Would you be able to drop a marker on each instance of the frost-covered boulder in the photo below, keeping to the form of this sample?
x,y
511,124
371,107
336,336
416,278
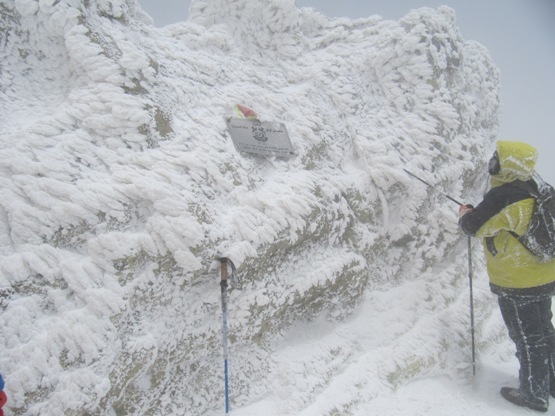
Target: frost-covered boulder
x,y
120,186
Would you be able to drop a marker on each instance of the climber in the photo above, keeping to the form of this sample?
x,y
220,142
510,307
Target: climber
x,y
523,284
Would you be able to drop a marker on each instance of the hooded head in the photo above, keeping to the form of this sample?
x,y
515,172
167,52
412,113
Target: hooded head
x,y
517,161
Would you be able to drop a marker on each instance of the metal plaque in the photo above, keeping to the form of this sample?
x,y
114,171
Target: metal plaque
x,y
260,137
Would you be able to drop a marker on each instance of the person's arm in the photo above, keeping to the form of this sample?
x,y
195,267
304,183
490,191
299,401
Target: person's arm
x,y
496,212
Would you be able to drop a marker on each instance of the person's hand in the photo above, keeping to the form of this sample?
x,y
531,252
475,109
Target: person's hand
x,y
465,209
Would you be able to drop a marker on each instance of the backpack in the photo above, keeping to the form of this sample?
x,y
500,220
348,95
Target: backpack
x,y
539,238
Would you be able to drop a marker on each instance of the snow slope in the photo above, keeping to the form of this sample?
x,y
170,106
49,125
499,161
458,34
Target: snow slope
x,y
120,186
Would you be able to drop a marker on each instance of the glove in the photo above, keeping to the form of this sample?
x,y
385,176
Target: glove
x,y
465,209
3,397
3,400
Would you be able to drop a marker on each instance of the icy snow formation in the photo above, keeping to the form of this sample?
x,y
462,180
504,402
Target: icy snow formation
x,y
120,186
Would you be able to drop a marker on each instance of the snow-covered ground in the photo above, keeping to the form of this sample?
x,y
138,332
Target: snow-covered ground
x,y
120,185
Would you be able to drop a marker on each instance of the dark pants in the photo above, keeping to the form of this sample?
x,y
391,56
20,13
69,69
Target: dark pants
x,y
528,320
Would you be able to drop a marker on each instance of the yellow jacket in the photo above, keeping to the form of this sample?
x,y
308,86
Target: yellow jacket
x,y
507,208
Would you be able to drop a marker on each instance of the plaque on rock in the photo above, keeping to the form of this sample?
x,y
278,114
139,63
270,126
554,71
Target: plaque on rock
x,y
260,137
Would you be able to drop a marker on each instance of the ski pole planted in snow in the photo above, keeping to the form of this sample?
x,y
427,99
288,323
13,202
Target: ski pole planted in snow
x,y
471,306
469,270
224,261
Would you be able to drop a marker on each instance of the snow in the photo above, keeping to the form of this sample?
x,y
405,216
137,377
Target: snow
x,y
120,186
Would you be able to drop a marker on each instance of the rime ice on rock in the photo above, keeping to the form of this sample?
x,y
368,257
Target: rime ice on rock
x,y
119,186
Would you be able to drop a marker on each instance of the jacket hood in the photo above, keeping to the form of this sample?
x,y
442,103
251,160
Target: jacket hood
x,y
517,161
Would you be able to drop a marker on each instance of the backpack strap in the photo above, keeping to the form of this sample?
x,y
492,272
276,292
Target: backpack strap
x,y
531,187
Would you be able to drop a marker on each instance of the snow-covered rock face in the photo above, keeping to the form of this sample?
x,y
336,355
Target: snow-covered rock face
x,y
120,186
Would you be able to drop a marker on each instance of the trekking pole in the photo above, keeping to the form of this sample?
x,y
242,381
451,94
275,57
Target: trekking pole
x,y
469,270
471,306
223,286
437,190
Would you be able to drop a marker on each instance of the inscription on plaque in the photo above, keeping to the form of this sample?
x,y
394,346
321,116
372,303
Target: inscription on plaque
x,y
260,137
